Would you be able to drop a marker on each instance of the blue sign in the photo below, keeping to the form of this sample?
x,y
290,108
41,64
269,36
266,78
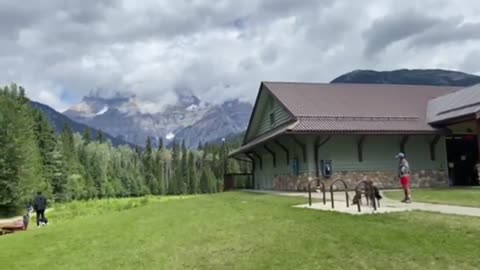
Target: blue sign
x,y
295,166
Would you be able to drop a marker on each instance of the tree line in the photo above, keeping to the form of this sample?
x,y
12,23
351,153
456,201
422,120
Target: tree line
x,y
71,166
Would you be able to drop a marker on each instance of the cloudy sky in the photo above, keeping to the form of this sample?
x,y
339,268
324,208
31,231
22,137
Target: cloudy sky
x,y
222,49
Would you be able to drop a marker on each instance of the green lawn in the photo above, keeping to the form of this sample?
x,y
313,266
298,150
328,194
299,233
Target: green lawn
x,y
242,231
465,197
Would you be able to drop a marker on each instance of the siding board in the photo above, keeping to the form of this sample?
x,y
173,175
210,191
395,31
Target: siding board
x,y
261,120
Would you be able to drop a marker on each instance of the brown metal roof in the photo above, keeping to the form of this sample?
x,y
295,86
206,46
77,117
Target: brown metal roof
x,y
354,108
357,107
458,104
361,124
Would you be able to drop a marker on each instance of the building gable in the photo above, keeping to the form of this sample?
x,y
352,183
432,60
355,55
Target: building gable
x,y
267,115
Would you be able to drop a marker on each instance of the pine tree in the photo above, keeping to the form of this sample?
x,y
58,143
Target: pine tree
x,y
72,166
138,152
47,142
20,159
174,179
184,171
59,177
204,182
148,147
149,169
159,172
87,136
212,182
10,158
160,144
100,137
192,175
68,146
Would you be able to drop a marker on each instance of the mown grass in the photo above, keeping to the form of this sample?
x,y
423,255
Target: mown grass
x,y
245,231
453,196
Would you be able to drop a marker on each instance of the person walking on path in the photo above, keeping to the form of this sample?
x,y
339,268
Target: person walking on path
x,y
404,175
40,205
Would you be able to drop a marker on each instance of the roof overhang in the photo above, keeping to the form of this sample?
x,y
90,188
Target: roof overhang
x,y
455,120
289,129
263,138
363,132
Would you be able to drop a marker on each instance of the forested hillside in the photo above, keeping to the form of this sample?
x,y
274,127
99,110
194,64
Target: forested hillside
x,y
77,167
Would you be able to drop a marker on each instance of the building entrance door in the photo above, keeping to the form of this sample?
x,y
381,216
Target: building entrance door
x,y
462,156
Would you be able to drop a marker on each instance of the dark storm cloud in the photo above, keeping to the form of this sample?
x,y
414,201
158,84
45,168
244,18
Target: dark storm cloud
x,y
395,27
220,49
450,30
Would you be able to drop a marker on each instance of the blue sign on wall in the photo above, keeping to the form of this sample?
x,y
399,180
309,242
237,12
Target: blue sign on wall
x,y
295,166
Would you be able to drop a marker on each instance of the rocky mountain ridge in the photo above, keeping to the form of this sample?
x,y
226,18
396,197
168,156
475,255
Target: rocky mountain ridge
x,y
189,119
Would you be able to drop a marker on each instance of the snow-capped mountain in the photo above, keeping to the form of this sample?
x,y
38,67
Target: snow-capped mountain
x,y
221,121
189,119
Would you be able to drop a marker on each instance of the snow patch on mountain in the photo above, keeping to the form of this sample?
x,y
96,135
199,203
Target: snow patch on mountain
x,y
102,111
189,118
192,108
170,136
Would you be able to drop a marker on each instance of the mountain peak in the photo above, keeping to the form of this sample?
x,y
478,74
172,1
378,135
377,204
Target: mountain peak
x,y
189,118
436,77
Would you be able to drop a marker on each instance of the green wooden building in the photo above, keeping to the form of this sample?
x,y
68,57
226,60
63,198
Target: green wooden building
x,y
301,131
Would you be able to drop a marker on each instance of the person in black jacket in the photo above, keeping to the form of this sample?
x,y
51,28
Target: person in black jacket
x,y
40,205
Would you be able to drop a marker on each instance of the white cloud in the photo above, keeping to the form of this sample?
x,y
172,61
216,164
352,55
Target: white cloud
x,y
222,49
47,94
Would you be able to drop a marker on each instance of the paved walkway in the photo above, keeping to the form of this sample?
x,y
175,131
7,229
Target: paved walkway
x,y
4,221
387,205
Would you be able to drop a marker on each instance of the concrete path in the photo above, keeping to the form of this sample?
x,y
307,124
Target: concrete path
x,y
4,221
386,205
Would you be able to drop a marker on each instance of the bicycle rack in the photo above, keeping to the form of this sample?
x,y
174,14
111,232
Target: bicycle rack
x,y
369,194
322,186
331,192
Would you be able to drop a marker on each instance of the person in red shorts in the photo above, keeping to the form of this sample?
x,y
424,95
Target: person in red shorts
x,y
404,175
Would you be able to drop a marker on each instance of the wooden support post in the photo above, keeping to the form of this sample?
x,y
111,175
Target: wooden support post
x,y
259,159
433,145
303,147
285,149
403,142
360,147
274,157
315,155
253,169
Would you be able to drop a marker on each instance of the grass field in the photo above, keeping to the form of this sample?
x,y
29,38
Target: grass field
x,y
465,197
241,231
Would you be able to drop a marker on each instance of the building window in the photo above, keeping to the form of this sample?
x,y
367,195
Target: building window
x,y
272,119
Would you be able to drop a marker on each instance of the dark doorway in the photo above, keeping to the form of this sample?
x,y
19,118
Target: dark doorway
x,y
462,155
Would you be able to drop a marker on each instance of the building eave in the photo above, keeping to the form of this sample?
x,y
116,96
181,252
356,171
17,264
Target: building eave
x,y
263,138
